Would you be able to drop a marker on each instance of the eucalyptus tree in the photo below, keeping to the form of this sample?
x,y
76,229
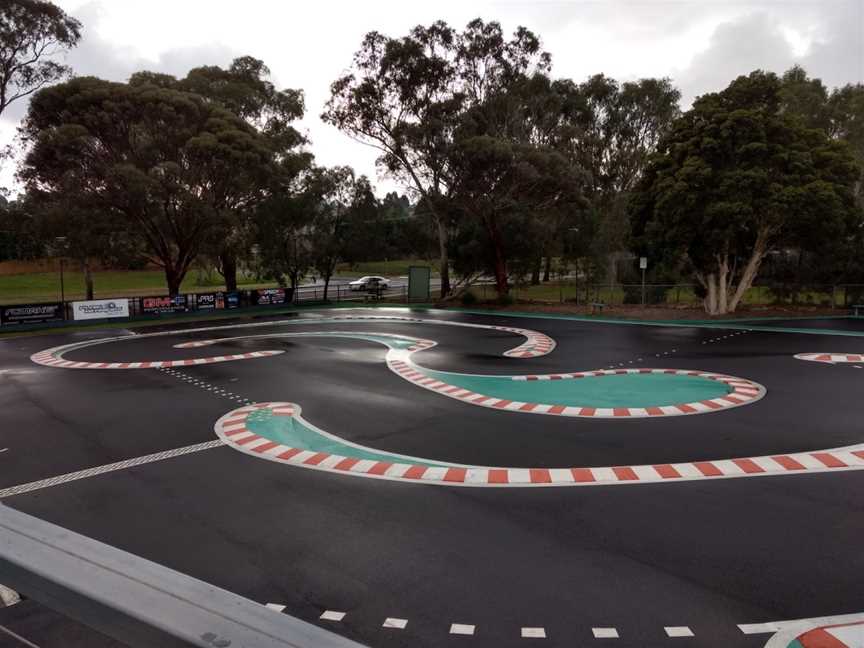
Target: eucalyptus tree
x,y
244,88
157,161
32,34
737,176
406,97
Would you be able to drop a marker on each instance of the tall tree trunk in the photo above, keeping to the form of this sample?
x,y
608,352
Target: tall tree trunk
x,y
229,270
501,286
547,270
723,281
173,277
88,277
535,271
326,285
760,249
710,301
444,266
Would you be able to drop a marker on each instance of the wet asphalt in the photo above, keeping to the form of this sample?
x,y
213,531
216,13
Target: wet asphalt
x,y
708,555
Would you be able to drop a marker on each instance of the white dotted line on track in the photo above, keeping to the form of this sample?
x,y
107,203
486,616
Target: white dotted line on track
x,y
216,390
101,470
541,632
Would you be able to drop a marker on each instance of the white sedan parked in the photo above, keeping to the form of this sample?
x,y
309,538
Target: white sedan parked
x,y
370,283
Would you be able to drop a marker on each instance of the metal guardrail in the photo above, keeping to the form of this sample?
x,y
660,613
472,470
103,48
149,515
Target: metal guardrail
x,y
136,601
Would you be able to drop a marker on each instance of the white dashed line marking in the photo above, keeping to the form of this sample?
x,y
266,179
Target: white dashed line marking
x,y
275,607
461,629
678,631
533,633
398,624
101,470
605,633
2,450
758,628
332,615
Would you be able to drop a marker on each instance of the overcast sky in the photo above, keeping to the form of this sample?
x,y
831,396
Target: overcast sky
x,y
700,44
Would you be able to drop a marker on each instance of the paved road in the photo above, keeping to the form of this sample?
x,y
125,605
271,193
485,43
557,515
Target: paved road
x,y
703,555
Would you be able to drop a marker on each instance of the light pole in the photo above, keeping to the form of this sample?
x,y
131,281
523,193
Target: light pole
x,y
61,246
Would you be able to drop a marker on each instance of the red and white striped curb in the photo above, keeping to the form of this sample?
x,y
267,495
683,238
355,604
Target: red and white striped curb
x,y
54,358
844,635
743,392
536,344
830,358
839,631
232,429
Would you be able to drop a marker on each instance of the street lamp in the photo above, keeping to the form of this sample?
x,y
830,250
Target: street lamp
x,y
61,246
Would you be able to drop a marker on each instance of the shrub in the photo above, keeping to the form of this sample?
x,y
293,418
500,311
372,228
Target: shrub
x,y
469,298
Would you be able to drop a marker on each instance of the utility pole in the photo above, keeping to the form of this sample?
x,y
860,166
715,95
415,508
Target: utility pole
x,y
61,246
643,264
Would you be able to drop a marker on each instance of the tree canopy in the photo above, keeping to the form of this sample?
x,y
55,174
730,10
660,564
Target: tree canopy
x,y
165,162
736,177
32,34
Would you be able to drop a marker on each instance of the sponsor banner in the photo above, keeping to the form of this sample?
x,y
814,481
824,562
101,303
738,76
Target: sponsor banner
x,y
156,305
100,309
266,296
210,301
232,300
31,313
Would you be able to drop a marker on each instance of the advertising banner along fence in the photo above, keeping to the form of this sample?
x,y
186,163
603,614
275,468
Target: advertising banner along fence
x,y
100,309
31,313
155,305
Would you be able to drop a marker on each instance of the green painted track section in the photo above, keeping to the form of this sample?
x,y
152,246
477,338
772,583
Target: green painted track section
x,y
619,390
295,433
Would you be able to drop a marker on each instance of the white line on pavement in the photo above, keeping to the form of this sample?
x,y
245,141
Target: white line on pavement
x,y
101,470
23,641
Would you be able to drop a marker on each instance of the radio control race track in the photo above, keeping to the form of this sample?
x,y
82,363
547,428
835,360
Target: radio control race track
x,y
436,478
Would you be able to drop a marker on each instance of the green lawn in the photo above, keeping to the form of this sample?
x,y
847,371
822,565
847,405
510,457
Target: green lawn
x,y
45,286
389,269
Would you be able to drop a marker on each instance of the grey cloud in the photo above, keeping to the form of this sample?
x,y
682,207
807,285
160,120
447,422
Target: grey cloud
x,y
97,57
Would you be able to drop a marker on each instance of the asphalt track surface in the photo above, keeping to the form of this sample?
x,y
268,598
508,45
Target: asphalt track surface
x,y
706,555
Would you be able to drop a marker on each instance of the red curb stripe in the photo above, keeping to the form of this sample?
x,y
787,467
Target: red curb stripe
x,y
707,468
455,475
588,411
248,440
556,409
620,411
625,473
858,453
748,466
499,477
789,463
540,476
828,459
527,407
582,474
316,459
265,447
666,471
502,403
711,404
654,411
379,468
289,453
346,464
820,638
414,472
685,408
